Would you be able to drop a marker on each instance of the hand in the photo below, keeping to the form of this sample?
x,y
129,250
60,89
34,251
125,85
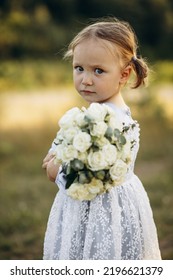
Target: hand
x,y
50,167
46,160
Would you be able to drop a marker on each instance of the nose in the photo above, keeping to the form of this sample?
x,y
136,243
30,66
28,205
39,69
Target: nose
x,y
87,79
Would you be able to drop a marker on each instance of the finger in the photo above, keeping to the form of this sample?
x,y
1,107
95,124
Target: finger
x,y
48,157
44,165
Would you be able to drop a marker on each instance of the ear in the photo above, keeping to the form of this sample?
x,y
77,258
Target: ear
x,y
125,74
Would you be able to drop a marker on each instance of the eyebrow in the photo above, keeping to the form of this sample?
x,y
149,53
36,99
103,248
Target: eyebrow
x,y
90,65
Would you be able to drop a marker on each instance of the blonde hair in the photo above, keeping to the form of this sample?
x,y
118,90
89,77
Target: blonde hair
x,y
121,34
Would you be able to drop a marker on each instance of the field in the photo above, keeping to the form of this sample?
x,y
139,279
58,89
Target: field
x,y
29,110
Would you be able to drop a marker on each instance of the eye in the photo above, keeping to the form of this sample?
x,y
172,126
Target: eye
x,y
78,68
98,71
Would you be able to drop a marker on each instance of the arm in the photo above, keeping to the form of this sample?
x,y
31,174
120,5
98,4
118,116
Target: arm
x,y
50,167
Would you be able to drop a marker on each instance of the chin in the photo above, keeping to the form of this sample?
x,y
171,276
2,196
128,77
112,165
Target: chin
x,y
90,99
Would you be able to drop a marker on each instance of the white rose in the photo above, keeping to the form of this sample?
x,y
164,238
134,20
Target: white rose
x,y
59,136
102,141
96,161
69,118
69,153
82,141
80,119
95,186
83,157
118,171
110,153
99,129
69,133
79,192
58,153
96,111
108,186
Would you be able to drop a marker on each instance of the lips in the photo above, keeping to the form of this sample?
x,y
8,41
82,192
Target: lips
x,y
87,91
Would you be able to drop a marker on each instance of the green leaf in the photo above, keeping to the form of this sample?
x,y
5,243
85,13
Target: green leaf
x,y
70,179
89,174
95,146
68,169
109,133
100,174
85,129
133,143
107,117
116,132
122,140
107,176
126,128
94,139
88,119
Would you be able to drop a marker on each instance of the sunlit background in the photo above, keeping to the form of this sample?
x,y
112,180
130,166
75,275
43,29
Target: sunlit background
x,y
36,89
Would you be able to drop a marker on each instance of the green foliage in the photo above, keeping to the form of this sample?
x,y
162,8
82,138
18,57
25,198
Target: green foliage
x,y
24,35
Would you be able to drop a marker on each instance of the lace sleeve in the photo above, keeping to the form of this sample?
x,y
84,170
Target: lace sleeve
x,y
53,147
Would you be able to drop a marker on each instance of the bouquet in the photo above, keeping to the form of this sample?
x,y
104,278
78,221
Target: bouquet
x,y
94,149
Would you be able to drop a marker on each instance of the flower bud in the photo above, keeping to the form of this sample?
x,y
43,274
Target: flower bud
x,y
100,174
83,179
77,165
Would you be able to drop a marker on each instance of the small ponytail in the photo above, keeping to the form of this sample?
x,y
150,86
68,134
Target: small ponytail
x,y
141,70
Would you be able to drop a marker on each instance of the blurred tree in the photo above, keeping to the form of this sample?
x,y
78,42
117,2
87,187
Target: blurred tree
x,y
61,10
153,20
55,21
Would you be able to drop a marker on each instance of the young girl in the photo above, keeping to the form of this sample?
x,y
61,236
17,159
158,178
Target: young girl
x,y
117,224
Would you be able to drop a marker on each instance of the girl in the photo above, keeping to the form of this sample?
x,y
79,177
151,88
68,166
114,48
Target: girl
x,y
118,224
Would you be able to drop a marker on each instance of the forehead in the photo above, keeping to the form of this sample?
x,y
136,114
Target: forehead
x,y
95,50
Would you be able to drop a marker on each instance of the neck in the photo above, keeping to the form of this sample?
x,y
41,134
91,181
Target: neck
x,y
117,100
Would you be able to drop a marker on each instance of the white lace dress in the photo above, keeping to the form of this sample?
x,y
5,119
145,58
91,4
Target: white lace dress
x,y
117,225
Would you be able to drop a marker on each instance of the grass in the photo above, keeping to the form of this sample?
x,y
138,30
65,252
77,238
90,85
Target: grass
x,y
28,123
26,194
154,167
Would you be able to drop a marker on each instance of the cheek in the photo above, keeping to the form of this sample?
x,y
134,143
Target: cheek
x,y
75,85
75,80
114,81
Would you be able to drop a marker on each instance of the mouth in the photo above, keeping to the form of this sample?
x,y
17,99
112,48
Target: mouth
x,y
87,92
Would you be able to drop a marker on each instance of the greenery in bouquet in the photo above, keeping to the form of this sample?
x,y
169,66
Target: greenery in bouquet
x,y
94,148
